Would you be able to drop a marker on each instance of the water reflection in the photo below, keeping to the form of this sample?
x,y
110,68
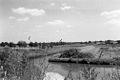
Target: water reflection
x,y
76,67
73,71
53,76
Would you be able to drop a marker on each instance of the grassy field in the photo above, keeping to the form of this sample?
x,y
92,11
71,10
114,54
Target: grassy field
x,y
103,54
108,52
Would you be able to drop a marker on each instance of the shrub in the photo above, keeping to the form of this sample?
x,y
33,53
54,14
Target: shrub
x,y
89,73
13,62
69,53
85,55
17,65
74,53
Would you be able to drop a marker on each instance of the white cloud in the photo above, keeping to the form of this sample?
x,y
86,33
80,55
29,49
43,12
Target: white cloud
x,y
60,23
38,26
65,7
33,12
23,19
59,31
69,26
113,17
12,17
111,14
56,22
18,19
53,76
64,4
52,4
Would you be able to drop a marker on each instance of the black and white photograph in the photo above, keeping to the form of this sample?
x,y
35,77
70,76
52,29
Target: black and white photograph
x,y
59,39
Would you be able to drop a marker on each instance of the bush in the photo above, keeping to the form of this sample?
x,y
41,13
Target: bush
x,y
13,62
74,53
69,53
17,65
86,55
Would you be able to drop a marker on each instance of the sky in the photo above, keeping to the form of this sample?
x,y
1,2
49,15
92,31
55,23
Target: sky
x,y
52,20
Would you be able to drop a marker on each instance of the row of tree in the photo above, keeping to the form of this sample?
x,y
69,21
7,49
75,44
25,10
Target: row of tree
x,y
51,44
31,44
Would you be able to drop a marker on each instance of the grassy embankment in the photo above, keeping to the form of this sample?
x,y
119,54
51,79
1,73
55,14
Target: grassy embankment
x,y
102,55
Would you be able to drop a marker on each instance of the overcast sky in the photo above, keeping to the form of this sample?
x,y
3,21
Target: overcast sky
x,y
51,20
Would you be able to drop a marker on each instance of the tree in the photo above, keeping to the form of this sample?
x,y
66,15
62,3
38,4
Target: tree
x,y
11,44
43,45
22,44
51,44
118,41
31,44
108,42
36,44
2,44
89,42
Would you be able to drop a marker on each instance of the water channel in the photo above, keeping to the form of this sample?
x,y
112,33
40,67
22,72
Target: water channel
x,y
81,70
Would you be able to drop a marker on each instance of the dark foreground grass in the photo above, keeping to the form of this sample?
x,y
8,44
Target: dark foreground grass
x,y
15,65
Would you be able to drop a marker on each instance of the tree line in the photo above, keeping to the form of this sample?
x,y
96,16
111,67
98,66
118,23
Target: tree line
x,y
51,44
31,44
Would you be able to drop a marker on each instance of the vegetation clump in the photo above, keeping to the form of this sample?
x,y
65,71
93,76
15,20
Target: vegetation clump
x,y
12,62
74,53
15,65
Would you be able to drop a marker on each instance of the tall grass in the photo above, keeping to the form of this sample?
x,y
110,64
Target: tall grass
x,y
69,76
17,66
114,75
89,73
86,73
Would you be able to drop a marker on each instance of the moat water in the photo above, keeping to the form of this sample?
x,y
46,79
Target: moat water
x,y
80,70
